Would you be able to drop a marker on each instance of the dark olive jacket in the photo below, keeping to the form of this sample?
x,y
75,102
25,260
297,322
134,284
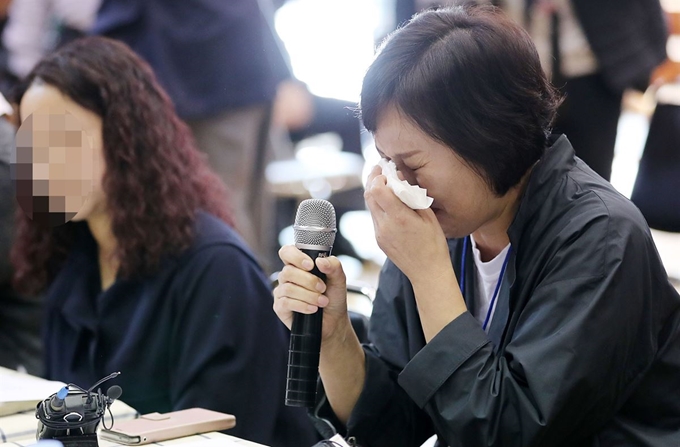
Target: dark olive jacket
x,y
583,349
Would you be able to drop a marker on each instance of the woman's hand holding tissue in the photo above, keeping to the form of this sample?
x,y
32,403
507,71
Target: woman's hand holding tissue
x,y
411,238
415,242
412,195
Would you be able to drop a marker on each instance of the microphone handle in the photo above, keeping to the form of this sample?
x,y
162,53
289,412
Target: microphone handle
x,y
305,345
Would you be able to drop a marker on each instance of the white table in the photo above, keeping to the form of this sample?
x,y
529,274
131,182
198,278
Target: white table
x,y
19,429
212,439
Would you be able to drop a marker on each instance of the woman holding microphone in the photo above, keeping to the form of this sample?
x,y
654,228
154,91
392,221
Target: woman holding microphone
x,y
528,305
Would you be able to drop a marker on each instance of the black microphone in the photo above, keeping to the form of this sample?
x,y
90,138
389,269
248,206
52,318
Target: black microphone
x,y
114,392
314,230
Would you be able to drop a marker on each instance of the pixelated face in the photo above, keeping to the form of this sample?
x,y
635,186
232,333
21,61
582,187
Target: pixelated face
x,y
57,166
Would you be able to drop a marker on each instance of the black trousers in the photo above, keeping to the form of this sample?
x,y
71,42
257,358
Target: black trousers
x,y
589,116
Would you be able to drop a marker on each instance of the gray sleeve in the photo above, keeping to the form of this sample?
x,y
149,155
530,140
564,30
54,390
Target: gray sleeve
x,y
437,361
20,317
8,202
384,415
7,137
6,221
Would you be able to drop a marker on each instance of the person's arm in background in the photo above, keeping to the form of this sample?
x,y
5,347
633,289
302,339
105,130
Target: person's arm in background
x,y
7,204
26,35
4,8
230,350
669,70
20,345
79,15
6,219
75,17
674,18
30,32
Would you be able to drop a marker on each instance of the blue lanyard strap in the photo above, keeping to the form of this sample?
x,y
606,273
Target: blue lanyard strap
x,y
498,284
462,267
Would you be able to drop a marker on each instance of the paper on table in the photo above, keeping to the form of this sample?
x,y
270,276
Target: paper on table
x,y
412,195
21,392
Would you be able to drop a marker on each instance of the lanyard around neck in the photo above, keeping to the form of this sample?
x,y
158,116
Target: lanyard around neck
x,y
498,284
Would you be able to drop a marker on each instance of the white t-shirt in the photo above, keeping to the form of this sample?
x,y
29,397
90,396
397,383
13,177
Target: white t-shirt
x,y
486,280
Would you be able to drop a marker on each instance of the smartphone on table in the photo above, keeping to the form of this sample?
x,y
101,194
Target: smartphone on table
x,y
155,427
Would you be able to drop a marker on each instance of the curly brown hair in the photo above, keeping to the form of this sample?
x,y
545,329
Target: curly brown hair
x,y
155,179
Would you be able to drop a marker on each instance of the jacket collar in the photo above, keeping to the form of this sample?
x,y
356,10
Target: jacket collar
x,y
557,161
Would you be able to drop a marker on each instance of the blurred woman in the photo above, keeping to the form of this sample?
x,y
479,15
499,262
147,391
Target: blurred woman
x,y
147,276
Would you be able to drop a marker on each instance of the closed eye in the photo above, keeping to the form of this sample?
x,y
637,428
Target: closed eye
x,y
408,173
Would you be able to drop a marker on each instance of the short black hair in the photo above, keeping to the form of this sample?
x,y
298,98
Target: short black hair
x,y
470,78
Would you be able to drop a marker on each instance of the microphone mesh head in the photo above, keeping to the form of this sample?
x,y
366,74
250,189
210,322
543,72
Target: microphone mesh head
x,y
315,223
114,392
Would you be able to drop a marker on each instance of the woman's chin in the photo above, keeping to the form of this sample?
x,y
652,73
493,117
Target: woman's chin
x,y
448,229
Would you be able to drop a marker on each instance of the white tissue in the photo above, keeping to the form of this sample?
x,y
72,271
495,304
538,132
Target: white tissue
x,y
412,195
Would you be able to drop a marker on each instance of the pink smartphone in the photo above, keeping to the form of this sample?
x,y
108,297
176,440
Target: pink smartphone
x,y
154,427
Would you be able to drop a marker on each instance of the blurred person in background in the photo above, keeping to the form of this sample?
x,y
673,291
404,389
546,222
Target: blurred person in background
x,y
221,63
148,277
528,305
304,114
669,71
5,79
36,27
20,316
593,51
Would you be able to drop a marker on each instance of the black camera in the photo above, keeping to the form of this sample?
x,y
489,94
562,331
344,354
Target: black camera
x,y
72,414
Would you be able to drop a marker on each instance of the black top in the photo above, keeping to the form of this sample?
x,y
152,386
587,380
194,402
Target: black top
x,y
200,333
20,344
8,202
628,38
583,349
